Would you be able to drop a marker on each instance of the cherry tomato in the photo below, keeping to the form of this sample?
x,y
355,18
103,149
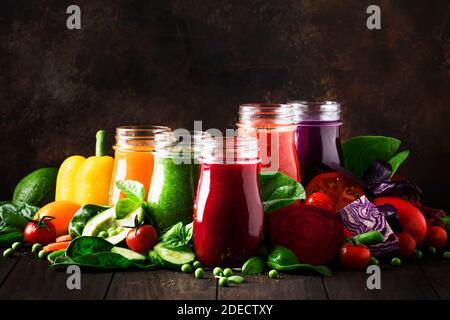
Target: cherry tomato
x,y
142,239
407,244
320,200
411,219
354,257
435,237
338,187
40,231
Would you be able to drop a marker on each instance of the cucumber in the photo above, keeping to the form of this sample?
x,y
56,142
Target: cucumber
x,y
129,254
178,256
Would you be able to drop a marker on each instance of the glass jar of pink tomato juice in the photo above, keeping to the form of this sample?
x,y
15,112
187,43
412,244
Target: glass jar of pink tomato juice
x,y
228,211
274,127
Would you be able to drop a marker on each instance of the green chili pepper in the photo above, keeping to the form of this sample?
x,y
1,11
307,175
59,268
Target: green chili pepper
x,y
368,238
9,238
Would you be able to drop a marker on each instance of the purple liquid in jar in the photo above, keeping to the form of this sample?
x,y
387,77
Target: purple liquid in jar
x,y
317,137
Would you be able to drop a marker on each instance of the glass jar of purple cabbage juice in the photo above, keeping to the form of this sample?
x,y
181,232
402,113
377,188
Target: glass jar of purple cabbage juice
x,y
317,136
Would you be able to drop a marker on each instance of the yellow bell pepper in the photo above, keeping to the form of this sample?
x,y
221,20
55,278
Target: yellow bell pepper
x,y
86,181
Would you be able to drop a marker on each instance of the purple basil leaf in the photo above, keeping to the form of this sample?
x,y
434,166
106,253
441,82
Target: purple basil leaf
x,y
395,188
391,215
378,172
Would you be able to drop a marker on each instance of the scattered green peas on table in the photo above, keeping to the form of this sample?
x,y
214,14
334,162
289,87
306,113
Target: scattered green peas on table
x,y
223,281
374,261
227,272
396,262
36,248
42,254
217,272
16,246
432,250
197,264
199,273
8,252
186,268
418,254
273,274
446,255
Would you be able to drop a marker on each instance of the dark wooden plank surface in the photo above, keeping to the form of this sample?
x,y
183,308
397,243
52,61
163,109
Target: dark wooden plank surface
x,y
298,287
33,279
406,282
161,284
6,265
437,273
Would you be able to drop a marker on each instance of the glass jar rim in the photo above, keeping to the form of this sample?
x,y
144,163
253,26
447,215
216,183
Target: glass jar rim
x,y
326,110
141,135
229,150
258,114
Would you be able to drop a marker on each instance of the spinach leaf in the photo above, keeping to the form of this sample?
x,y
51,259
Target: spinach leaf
x,y
87,245
279,190
359,152
135,195
16,215
253,266
82,216
177,235
283,259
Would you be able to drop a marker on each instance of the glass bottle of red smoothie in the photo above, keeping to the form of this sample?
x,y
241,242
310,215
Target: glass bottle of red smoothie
x,y
228,211
274,127
317,136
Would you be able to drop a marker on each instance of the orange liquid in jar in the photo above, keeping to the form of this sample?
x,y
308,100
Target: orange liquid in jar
x,y
136,164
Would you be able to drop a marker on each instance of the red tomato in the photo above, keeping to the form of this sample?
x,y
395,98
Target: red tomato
x,y
320,200
407,244
354,257
411,219
338,187
142,239
40,231
435,237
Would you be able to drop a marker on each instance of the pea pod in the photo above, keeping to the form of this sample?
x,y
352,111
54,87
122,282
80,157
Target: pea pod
x,y
368,238
9,238
253,266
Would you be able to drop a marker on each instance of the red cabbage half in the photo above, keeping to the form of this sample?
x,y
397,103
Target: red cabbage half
x,y
362,216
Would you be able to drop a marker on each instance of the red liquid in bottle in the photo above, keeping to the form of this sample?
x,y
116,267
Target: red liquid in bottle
x,y
228,214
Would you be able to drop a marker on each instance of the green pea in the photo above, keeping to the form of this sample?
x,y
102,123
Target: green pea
x,y
446,255
36,248
8,252
112,233
111,229
227,272
199,273
16,245
103,234
217,271
186,268
273,274
236,279
197,264
374,261
418,254
223,282
119,229
432,250
396,262
42,254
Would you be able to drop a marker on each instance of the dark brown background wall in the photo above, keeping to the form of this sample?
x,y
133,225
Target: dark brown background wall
x,y
173,62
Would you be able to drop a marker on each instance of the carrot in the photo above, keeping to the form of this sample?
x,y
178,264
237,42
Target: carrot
x,y
56,246
64,238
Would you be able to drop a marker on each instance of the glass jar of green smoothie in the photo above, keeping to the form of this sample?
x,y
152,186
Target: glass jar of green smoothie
x,y
175,177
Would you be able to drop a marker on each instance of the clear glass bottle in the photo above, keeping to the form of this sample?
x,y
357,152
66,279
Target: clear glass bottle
x,y
317,136
228,211
274,127
175,177
133,157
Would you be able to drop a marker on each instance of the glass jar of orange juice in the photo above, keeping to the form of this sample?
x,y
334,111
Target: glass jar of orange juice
x,y
133,156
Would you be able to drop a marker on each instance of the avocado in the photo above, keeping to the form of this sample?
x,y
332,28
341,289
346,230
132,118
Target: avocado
x,y
129,254
37,188
107,219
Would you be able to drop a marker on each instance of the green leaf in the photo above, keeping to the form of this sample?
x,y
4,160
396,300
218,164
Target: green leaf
x,y
253,266
87,245
126,206
82,216
398,159
177,235
279,190
359,152
16,215
132,189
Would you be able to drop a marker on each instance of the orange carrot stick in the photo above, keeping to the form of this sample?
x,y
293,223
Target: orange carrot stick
x,y
64,238
56,246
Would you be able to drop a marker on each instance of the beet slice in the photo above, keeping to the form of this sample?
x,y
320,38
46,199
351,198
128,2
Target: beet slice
x,y
313,234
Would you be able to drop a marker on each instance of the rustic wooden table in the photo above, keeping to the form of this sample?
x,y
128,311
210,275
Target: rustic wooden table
x,y
26,277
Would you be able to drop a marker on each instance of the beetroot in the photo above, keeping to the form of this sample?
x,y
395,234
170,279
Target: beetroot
x,y
313,234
